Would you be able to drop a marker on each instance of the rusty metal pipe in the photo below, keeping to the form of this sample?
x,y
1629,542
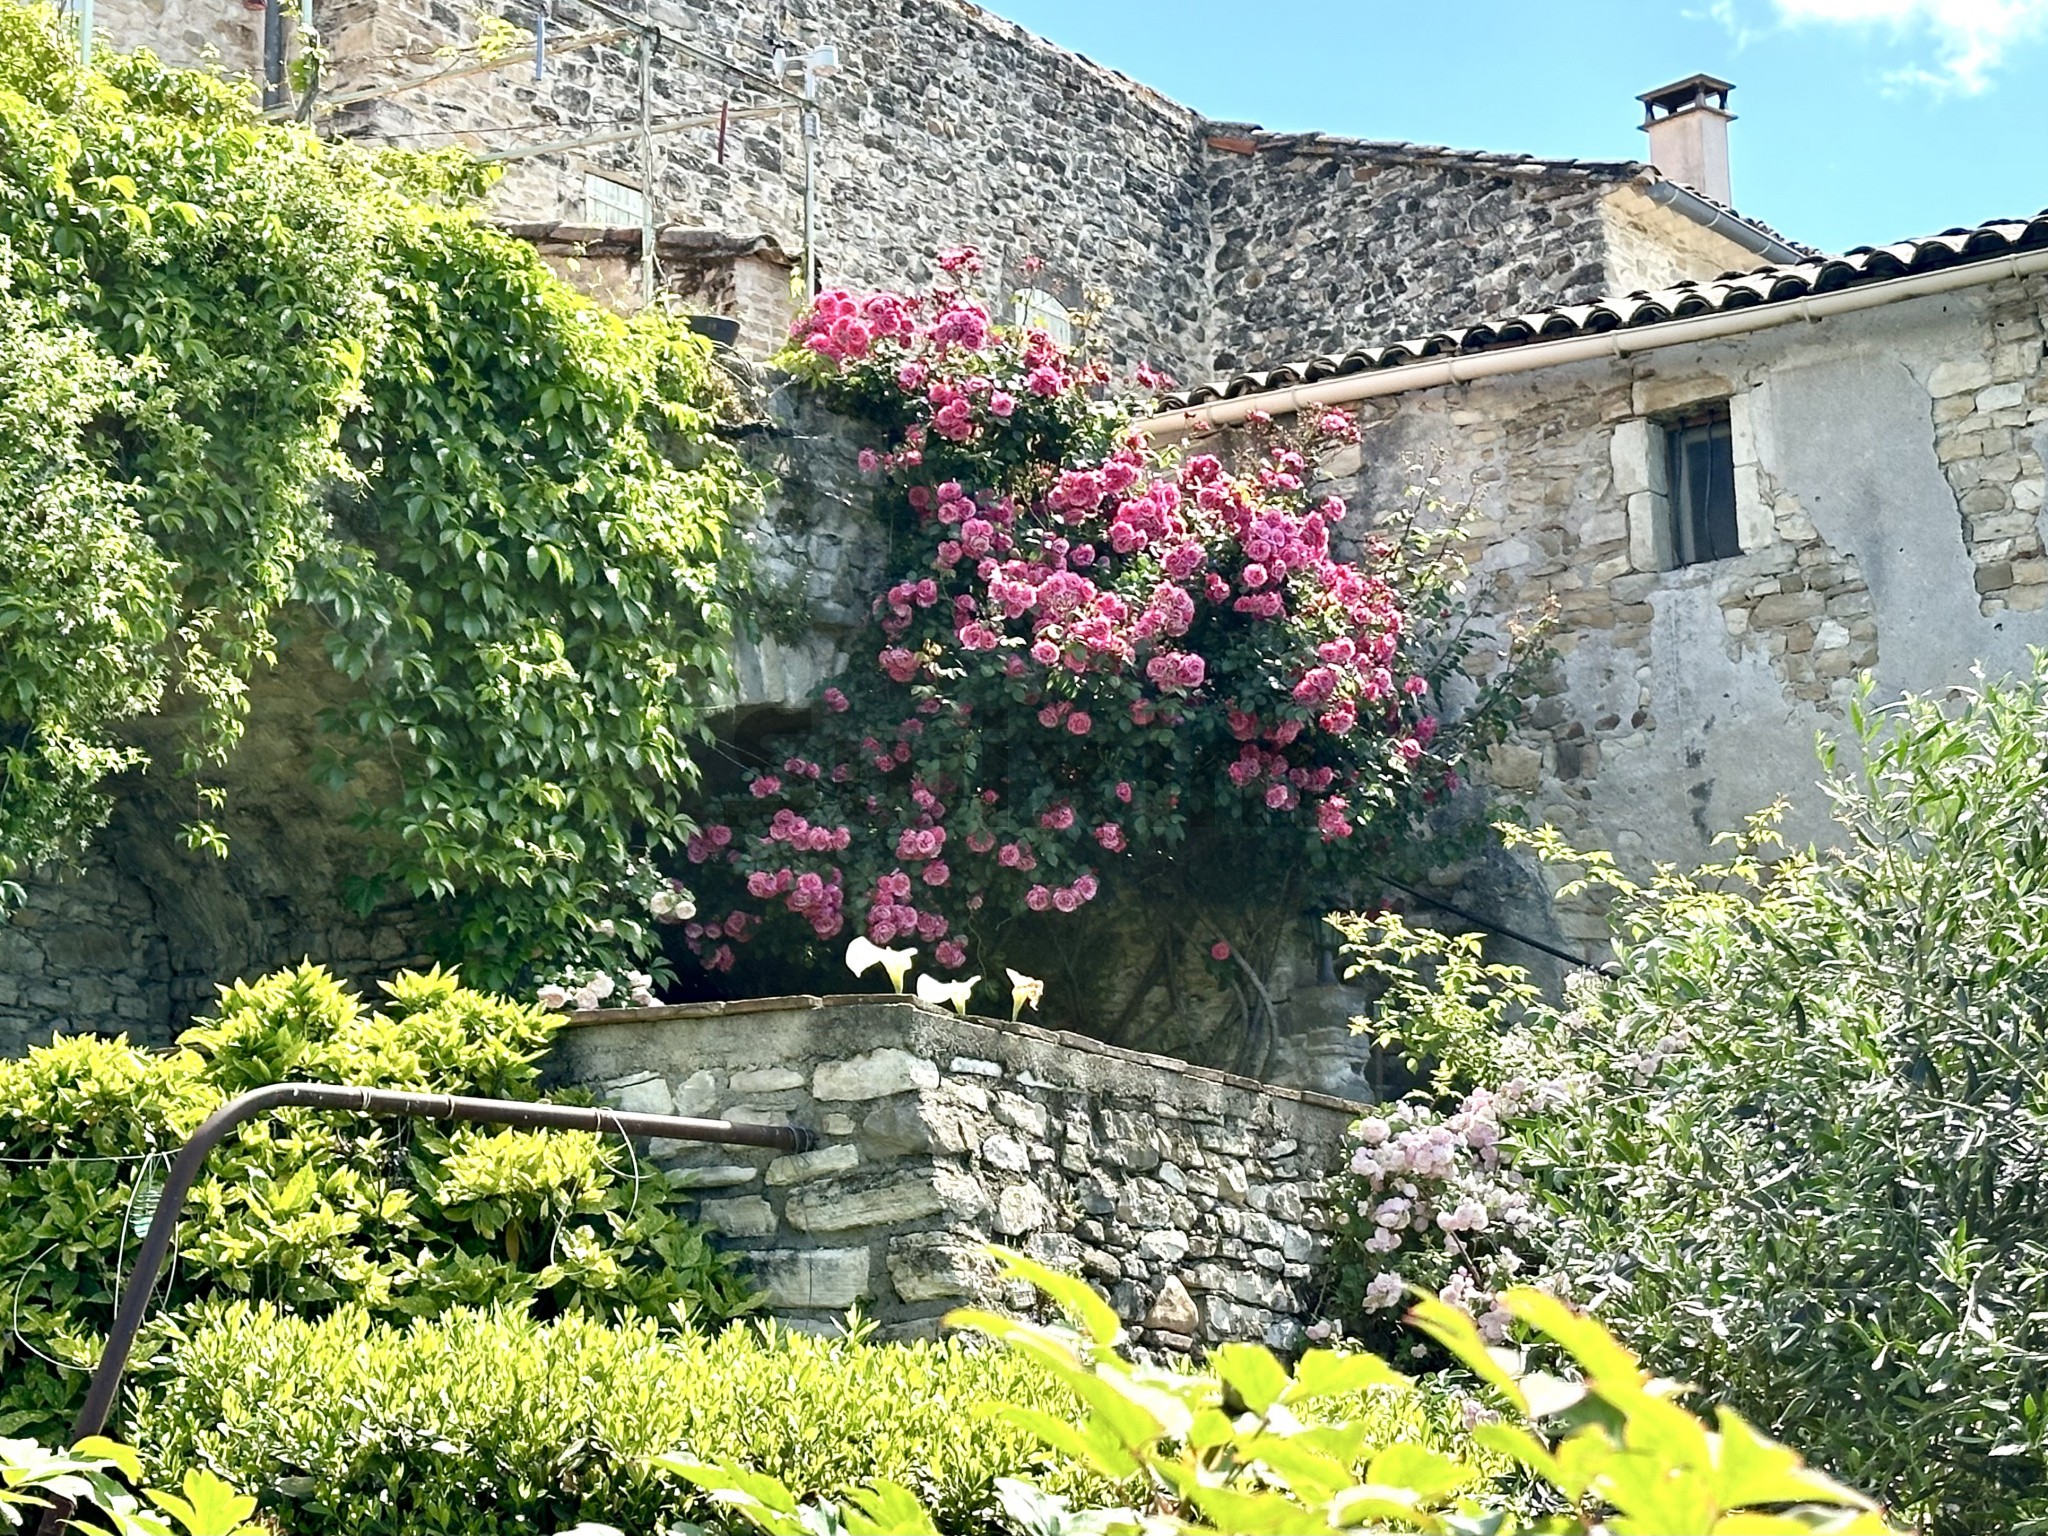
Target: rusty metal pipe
x,y
388,1103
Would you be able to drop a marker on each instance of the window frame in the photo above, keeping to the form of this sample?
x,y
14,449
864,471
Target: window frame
x,y
626,196
1702,521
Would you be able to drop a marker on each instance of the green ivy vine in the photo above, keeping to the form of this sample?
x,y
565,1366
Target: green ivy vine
x,y
257,390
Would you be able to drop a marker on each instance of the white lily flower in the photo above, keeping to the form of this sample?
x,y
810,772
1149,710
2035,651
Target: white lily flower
x,y
1025,992
939,993
863,956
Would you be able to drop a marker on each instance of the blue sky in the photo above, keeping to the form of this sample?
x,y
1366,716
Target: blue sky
x,y
1859,121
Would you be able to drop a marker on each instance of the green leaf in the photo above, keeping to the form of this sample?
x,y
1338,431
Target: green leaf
x,y
1251,1372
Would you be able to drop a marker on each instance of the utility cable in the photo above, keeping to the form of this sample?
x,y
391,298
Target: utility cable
x,y
1497,930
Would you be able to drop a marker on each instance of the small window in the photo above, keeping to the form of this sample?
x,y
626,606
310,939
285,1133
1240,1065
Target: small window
x,y
612,204
1700,479
1036,307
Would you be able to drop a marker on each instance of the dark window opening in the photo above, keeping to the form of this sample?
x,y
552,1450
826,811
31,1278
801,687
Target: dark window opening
x,y
1701,482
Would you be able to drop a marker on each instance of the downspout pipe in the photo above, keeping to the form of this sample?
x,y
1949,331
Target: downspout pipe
x,y
274,94
1621,342
388,1103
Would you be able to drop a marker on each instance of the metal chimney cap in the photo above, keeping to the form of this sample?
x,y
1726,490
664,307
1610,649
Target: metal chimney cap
x,y
1683,95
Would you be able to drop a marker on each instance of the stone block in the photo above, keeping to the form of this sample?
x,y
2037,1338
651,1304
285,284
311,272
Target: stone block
x,y
1654,396
1788,608
746,1216
838,1207
1022,1208
1020,1114
1635,463
1166,1247
714,1176
645,1094
697,1095
973,1066
813,1278
875,1075
939,1266
767,1080
1995,577
802,1167
1514,767
1005,1153
1649,532
1962,375
1173,1310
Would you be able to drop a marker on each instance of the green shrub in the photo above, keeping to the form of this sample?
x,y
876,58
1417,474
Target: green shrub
x,y
312,1209
482,1423
256,390
1797,1149
1250,1445
32,1478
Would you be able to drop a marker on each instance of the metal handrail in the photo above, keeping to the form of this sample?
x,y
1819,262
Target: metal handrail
x,y
389,1103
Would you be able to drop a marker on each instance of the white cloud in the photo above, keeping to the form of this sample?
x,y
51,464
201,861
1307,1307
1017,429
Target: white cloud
x,y
1970,37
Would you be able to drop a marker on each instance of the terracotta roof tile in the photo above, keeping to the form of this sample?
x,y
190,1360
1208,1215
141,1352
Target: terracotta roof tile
x,y
1732,290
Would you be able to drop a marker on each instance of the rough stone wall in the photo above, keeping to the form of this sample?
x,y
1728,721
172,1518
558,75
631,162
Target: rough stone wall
x,y
137,940
1188,1195
228,37
1389,240
1888,489
1991,435
1217,246
1652,246
945,125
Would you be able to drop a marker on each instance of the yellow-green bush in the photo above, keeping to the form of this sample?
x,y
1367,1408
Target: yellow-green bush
x,y
489,1423
313,1209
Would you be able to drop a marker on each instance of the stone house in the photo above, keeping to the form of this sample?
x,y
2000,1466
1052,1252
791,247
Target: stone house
x,y
1744,473
1742,497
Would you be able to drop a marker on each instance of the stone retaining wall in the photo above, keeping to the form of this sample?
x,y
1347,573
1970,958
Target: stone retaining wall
x,y
1188,1195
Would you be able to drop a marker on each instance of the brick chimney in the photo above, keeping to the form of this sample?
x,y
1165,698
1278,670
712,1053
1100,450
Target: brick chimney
x,y
1687,122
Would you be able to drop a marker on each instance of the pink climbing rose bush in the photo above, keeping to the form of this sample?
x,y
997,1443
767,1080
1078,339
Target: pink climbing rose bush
x,y
1099,663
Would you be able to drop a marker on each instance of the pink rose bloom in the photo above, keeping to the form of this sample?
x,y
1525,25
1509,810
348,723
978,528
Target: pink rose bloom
x,y
1111,836
766,785
937,872
1049,717
1123,790
1065,900
1078,723
1219,951
1086,887
1038,898
952,956
1045,653
869,461
1001,404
